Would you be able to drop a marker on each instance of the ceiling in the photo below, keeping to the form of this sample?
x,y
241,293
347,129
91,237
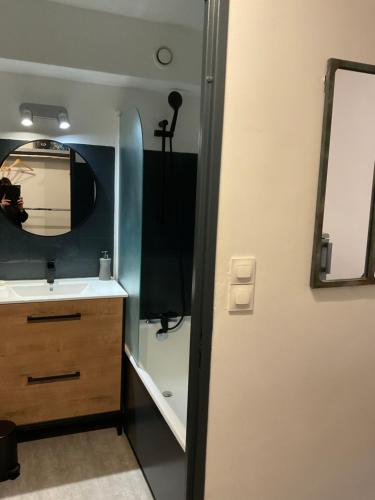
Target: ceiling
x,y
98,77
182,12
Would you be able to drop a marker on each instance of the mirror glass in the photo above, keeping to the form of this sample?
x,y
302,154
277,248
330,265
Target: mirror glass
x,y
46,188
350,174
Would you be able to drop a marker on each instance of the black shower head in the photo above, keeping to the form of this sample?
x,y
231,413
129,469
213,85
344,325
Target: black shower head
x,y
175,100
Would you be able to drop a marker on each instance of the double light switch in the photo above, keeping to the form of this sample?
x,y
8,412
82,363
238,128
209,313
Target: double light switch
x,y
241,284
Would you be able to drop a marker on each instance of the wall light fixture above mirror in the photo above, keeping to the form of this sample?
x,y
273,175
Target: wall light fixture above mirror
x,y
46,188
30,110
344,238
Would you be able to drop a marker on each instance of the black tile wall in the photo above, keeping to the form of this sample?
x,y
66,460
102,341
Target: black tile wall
x,y
23,255
169,192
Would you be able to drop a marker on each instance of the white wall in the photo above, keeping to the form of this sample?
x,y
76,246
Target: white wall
x,y
49,33
92,111
292,406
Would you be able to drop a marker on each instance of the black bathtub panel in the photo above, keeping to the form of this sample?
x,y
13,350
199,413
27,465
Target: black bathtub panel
x,y
160,456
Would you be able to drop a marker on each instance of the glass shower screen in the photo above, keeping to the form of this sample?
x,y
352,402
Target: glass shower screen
x,y
130,222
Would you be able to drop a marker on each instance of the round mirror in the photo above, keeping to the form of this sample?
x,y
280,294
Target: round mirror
x,y
46,188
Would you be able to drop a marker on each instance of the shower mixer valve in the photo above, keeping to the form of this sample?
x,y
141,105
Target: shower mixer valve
x,y
165,319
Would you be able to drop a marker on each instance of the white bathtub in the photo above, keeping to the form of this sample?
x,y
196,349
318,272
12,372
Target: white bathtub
x,y
164,366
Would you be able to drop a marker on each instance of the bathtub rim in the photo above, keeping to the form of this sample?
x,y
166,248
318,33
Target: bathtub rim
x,y
174,423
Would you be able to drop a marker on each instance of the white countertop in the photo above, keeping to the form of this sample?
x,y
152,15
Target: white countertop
x,y
63,289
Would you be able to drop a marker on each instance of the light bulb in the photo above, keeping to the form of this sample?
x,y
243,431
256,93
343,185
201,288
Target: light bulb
x,y
63,121
26,118
26,122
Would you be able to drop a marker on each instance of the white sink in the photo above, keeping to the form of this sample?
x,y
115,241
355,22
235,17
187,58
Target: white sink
x,y
46,290
19,291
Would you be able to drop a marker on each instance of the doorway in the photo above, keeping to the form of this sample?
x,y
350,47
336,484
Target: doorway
x,y
166,405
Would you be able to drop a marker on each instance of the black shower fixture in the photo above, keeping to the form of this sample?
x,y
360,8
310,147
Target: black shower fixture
x,y
175,102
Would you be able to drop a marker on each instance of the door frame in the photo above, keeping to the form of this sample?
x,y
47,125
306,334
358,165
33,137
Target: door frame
x,y
208,184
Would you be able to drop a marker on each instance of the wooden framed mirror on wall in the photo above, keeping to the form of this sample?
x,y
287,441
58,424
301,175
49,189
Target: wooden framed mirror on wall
x,y
343,249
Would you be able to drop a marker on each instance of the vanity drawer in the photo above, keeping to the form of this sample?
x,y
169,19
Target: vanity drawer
x,y
60,359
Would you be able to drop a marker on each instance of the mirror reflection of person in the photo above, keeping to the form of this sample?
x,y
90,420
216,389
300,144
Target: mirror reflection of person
x,y
15,213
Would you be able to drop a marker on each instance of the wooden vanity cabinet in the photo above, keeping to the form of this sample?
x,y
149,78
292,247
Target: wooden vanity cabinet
x,y
60,359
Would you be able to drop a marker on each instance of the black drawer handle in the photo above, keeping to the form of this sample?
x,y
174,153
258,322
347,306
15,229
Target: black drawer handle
x,y
53,378
58,317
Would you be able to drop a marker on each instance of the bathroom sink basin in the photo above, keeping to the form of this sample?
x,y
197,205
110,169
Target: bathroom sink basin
x,y
18,291
46,290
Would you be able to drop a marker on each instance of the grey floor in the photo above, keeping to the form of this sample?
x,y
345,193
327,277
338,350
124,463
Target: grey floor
x,y
97,465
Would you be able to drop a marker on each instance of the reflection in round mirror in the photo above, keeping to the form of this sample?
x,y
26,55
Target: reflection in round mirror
x,y
46,188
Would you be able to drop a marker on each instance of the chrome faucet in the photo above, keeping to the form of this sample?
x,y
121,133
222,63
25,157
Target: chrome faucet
x,y
51,271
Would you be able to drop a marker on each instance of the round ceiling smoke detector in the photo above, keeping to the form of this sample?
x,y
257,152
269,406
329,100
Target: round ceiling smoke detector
x,y
164,56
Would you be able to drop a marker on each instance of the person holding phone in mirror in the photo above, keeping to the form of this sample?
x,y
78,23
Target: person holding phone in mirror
x,y
12,208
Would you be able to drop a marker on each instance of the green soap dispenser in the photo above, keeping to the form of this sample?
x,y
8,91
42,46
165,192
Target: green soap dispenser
x,y
105,266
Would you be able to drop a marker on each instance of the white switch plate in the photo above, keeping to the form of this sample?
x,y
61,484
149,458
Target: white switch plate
x,y
242,270
241,298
